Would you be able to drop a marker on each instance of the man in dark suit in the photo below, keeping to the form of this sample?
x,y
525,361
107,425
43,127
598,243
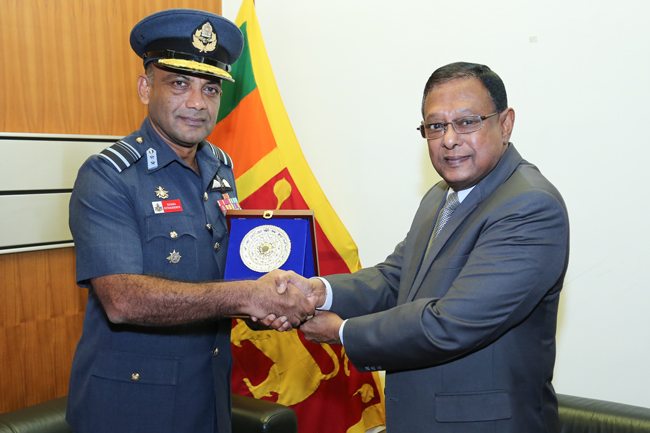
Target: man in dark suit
x,y
462,315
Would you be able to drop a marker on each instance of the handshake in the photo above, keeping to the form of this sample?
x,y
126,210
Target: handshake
x,y
287,300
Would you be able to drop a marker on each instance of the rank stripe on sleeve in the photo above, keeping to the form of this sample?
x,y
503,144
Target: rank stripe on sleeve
x,y
117,164
135,155
223,156
121,155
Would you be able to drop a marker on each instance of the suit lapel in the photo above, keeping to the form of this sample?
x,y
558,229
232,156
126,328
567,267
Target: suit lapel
x,y
504,169
459,215
424,232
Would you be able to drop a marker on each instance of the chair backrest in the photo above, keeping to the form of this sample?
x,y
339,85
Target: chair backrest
x,y
249,415
47,417
586,415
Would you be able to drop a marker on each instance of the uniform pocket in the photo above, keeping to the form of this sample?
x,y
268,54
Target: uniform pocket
x,y
170,248
132,390
473,406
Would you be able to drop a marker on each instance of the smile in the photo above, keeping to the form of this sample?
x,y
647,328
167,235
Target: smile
x,y
192,120
456,160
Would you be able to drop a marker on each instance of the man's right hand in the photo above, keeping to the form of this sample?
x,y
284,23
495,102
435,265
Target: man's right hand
x,y
313,288
290,303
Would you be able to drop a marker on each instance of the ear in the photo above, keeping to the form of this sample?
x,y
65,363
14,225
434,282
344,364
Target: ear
x,y
143,89
507,119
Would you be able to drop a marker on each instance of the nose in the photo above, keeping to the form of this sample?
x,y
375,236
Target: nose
x,y
195,99
450,138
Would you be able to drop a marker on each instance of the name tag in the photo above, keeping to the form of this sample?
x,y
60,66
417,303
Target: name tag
x,y
167,206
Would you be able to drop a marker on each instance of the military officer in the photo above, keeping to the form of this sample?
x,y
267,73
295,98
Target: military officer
x,y
151,240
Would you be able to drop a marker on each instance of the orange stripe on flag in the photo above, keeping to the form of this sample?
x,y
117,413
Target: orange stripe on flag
x,y
246,133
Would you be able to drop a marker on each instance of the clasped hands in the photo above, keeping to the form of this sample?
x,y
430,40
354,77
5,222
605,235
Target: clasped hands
x,y
300,299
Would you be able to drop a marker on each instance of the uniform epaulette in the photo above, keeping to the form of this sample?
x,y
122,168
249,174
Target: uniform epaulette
x,y
120,155
223,156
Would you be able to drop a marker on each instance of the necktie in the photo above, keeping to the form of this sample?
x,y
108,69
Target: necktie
x,y
450,206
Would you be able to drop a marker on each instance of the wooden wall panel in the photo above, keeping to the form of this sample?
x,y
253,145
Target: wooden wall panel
x,y
66,67
42,311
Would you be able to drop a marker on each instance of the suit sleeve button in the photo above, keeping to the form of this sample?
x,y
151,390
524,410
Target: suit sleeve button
x,y
216,352
135,377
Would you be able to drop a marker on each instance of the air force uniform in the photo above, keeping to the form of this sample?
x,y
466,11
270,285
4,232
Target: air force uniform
x,y
137,208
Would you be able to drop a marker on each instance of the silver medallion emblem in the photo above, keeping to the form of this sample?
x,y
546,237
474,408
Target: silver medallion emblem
x,y
174,257
265,248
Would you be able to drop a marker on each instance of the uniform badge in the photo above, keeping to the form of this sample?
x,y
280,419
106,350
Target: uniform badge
x,y
220,184
204,39
152,160
161,193
174,257
228,203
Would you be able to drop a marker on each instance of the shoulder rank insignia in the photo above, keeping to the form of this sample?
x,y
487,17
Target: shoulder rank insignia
x,y
120,155
223,156
152,158
204,39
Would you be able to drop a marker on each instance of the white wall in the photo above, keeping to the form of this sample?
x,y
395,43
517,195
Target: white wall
x,y
351,75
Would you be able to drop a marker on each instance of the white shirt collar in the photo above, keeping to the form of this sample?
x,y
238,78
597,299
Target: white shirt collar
x,y
461,194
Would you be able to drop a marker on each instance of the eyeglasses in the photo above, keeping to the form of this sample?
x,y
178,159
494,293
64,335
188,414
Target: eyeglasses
x,y
462,125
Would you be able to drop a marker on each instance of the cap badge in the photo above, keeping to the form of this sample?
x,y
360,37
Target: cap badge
x,y
204,39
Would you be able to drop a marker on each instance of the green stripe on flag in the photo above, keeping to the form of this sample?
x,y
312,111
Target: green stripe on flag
x,y
242,72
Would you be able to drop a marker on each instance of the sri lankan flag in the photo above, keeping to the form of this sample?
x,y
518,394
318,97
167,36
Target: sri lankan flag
x,y
317,381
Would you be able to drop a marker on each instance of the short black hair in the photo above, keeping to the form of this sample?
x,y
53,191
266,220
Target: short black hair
x,y
490,80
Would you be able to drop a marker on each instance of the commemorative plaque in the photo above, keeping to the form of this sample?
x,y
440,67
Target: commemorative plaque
x,y
265,248
261,241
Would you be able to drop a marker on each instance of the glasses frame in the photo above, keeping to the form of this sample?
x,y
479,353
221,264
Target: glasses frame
x,y
423,125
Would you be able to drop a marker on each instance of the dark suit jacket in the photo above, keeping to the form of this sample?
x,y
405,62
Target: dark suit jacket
x,y
466,334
